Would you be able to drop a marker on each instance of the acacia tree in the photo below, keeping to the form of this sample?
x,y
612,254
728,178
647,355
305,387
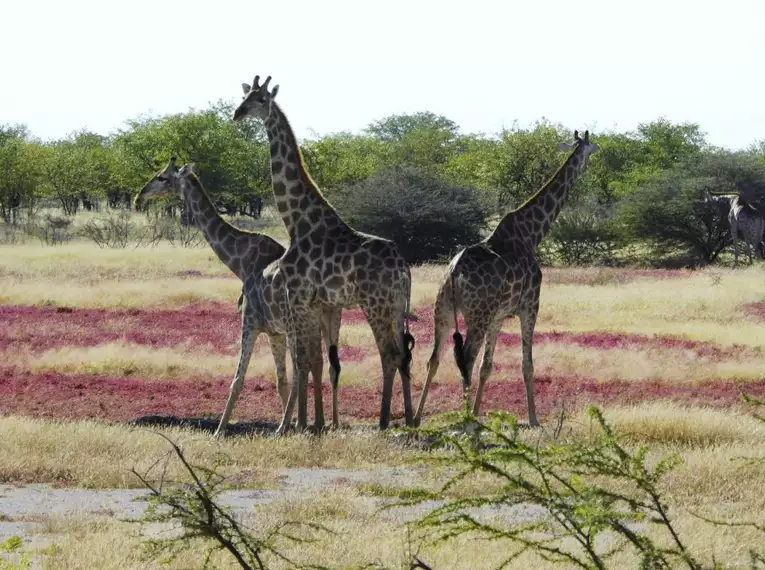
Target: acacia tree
x,y
232,160
77,166
514,164
423,140
426,217
341,159
20,170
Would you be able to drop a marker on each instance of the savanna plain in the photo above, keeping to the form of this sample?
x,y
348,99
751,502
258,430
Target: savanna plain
x,y
102,348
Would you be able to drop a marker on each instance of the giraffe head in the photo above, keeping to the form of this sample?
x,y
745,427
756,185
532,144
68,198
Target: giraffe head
x,y
257,100
163,183
582,146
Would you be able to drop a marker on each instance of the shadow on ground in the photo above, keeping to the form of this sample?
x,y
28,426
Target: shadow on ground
x,y
255,427
245,428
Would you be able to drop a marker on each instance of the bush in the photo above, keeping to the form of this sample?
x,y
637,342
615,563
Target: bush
x,y
427,218
583,235
112,231
671,212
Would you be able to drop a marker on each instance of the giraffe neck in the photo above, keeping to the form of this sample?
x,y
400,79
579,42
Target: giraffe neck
x,y
237,249
301,204
532,220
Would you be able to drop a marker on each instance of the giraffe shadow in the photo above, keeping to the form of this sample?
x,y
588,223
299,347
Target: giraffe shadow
x,y
255,427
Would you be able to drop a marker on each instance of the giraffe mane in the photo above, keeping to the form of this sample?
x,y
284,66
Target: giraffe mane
x,y
305,175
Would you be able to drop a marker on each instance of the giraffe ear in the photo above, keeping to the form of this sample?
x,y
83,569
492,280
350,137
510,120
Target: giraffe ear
x,y
566,146
274,91
246,88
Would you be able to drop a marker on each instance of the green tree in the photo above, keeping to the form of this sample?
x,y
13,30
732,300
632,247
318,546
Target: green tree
x,y
20,169
670,210
526,159
423,140
478,165
232,159
668,144
76,167
341,159
618,166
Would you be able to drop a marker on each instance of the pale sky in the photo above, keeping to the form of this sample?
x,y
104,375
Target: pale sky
x,y
598,64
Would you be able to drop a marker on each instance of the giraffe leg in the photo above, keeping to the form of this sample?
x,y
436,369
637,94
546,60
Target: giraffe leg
x,y
391,356
331,331
487,363
528,318
317,369
278,344
245,353
440,329
474,338
303,326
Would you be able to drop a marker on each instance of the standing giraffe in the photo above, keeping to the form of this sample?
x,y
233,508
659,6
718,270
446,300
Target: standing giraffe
x,y
500,277
746,223
250,256
328,263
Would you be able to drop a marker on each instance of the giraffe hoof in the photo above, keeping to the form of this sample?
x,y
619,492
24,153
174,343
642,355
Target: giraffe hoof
x,y
219,433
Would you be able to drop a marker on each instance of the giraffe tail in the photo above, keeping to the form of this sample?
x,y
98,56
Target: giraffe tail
x,y
459,344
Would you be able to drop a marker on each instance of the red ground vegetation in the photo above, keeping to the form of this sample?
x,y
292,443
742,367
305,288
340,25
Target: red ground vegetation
x,y
79,396
756,309
216,326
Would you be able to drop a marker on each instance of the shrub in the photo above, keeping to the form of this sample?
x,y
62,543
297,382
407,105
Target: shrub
x,y
110,231
670,210
427,218
584,235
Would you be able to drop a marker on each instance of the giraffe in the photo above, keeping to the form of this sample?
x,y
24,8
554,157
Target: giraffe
x,y
328,263
250,256
746,222
500,277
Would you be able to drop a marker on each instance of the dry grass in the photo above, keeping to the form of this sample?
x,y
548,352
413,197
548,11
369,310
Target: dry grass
x,y
361,534
711,481
167,293
705,305
354,542
95,454
698,307
674,366
122,359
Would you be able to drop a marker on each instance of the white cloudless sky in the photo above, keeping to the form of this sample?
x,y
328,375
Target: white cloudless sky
x,y
597,64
